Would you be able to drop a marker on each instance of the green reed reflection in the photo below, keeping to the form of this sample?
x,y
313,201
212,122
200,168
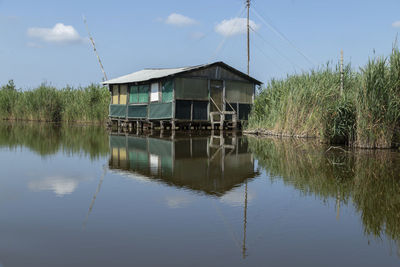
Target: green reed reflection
x,y
47,139
369,180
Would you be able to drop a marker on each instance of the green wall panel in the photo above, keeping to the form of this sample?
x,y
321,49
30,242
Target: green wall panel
x,y
190,88
117,111
134,94
144,93
167,91
239,92
137,111
160,110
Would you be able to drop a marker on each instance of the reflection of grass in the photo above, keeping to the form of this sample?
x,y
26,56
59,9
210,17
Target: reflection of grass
x,y
305,165
370,179
377,192
47,139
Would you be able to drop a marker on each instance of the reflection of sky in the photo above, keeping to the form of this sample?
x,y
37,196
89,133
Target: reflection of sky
x,y
177,201
236,197
154,224
59,174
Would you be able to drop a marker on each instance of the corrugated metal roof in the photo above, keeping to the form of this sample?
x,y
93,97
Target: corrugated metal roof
x,y
150,74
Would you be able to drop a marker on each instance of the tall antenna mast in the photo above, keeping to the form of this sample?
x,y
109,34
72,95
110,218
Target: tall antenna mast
x,y
248,36
94,48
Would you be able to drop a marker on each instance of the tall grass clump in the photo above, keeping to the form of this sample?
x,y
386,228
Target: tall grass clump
x,y
366,113
47,103
378,102
308,104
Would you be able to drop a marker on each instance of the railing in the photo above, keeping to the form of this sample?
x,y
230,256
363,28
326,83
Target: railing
x,y
230,105
212,100
222,114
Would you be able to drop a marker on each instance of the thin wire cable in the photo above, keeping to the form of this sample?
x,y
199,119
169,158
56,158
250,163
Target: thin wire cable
x,y
221,44
276,50
283,37
267,56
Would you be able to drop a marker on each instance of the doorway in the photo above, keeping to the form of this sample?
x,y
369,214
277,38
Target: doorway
x,y
216,94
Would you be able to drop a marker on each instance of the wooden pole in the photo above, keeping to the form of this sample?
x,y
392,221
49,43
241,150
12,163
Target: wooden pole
x,y
248,36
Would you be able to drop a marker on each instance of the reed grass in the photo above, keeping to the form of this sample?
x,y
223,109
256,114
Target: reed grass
x,y
366,113
46,103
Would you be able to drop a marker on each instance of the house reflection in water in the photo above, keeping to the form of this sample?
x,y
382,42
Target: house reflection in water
x,y
209,164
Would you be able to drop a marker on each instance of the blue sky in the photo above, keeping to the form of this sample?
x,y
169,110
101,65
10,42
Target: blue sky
x,y
46,41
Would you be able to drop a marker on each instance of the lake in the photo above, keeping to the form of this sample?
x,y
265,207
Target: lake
x,y
80,196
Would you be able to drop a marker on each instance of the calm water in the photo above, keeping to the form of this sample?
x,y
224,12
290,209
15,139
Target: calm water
x,y
78,196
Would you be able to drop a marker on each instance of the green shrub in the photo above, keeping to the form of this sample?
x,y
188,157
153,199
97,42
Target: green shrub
x,y
310,104
46,103
365,114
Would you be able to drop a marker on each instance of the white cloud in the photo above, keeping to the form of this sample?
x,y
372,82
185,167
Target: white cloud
x,y
179,20
235,26
396,24
60,33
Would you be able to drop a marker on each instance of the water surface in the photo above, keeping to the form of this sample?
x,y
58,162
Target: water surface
x,y
79,196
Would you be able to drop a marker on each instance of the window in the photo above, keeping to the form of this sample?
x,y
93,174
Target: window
x,y
115,94
167,91
134,94
154,92
139,94
123,94
144,93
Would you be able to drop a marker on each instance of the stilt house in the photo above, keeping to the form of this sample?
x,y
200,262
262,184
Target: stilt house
x,y
215,95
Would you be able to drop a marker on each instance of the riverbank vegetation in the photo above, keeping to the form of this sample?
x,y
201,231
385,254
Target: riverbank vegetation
x,y
46,103
366,113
